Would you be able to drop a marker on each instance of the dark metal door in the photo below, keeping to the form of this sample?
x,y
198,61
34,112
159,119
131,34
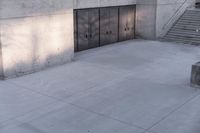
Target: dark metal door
x,y
113,25
83,27
123,23
131,23
93,28
104,26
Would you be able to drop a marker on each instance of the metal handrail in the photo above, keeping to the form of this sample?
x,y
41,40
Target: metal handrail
x,y
175,14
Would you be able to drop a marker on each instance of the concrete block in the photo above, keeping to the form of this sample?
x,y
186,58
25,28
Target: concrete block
x,y
195,77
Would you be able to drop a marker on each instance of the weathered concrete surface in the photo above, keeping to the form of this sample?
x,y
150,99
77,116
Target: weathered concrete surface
x,y
146,18
112,89
101,3
25,8
195,75
1,59
34,43
35,35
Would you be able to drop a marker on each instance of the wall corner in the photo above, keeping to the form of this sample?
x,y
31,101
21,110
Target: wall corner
x,y
146,19
1,56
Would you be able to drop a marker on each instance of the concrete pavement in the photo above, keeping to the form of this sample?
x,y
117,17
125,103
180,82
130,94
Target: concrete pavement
x,y
129,87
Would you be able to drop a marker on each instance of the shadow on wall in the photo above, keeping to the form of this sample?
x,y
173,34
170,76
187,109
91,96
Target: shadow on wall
x,y
33,43
24,68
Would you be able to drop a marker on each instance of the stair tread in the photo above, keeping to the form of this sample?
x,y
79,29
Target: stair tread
x,y
184,34
193,32
182,41
183,38
185,28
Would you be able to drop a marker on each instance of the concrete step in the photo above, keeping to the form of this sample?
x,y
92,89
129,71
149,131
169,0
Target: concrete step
x,y
189,16
185,32
189,28
192,14
183,37
186,27
188,22
192,27
180,41
190,19
182,30
187,35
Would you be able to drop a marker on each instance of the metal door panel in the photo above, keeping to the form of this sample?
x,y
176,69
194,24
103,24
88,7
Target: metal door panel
x,y
104,26
123,23
113,26
131,22
93,28
83,33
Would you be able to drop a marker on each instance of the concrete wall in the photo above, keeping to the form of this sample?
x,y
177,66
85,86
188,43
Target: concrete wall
x,y
165,14
101,3
1,62
35,34
146,18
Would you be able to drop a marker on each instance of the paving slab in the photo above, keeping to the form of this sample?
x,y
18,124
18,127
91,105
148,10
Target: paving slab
x,y
70,119
184,120
16,101
128,56
64,82
135,102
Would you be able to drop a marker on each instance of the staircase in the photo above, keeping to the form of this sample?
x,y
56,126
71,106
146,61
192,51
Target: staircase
x,y
186,29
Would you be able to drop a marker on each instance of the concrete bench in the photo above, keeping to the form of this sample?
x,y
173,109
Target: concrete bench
x,y
197,4
195,77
